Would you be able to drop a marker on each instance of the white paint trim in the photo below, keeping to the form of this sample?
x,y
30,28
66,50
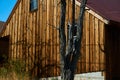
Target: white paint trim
x,y
94,13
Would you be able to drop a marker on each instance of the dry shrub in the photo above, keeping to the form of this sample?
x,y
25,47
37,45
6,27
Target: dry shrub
x,y
13,70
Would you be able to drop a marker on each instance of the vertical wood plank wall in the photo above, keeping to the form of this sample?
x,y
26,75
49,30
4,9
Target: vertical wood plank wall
x,y
34,37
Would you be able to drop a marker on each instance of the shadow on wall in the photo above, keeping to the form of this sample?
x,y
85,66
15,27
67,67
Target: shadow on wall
x,y
38,63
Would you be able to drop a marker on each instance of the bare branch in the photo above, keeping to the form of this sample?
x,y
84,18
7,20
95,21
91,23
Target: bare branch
x,y
62,28
78,38
80,20
53,26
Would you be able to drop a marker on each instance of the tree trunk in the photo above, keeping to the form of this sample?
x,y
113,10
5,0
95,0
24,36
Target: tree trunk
x,y
70,56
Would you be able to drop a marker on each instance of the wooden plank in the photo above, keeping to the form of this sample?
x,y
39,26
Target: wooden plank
x,y
70,11
66,19
43,34
33,42
87,40
13,38
16,33
31,61
24,35
84,48
93,44
55,36
97,46
41,44
51,33
19,27
91,41
28,56
102,45
7,30
45,30
30,38
53,39
37,41
77,10
10,42
58,42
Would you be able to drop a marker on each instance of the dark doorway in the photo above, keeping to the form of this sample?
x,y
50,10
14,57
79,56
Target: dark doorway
x,y
112,48
4,49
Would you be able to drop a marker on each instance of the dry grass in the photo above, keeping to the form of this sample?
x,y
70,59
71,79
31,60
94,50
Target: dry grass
x,y
13,70
14,76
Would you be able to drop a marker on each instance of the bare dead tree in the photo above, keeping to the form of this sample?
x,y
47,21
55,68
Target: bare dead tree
x,y
69,56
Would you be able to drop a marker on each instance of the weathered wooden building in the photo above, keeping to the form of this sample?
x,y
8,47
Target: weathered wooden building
x,y
33,36
110,10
